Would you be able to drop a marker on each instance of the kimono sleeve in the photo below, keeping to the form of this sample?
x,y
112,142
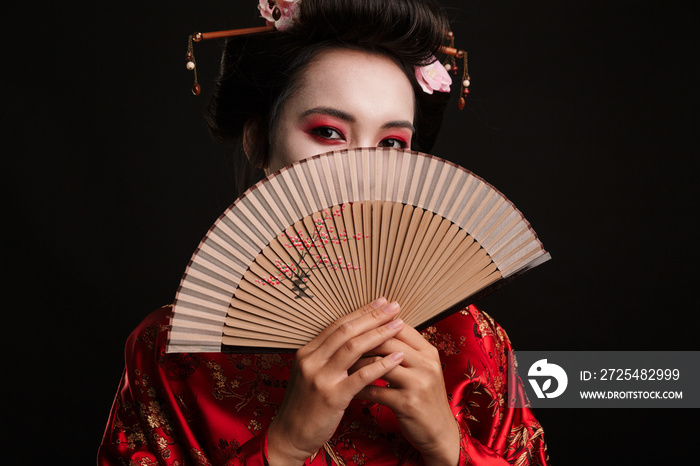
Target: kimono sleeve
x,y
147,425
474,352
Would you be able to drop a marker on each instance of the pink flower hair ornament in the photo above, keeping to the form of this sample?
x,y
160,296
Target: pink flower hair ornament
x,y
433,77
279,13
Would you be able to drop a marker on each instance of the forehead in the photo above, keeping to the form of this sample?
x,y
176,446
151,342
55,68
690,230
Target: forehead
x,y
358,82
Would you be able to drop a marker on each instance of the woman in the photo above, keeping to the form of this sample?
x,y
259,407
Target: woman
x,y
340,74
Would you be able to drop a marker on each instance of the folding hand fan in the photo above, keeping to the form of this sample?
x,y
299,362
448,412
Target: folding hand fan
x,y
329,234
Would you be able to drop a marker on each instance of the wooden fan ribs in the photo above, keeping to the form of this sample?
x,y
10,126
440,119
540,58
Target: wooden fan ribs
x,y
330,234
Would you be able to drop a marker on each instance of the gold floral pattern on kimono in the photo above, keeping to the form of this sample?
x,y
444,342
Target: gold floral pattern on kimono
x,y
213,409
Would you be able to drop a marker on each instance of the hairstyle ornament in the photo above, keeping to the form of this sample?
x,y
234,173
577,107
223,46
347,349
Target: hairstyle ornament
x,y
281,15
433,77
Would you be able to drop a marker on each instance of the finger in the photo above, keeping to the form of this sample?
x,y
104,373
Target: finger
x,y
398,379
414,339
352,349
375,324
409,341
400,376
364,361
382,395
411,355
371,372
366,309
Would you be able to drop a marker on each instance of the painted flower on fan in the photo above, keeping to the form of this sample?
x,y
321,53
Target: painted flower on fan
x,y
280,13
433,77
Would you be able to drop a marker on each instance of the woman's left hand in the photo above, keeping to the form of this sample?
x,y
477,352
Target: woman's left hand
x,y
418,398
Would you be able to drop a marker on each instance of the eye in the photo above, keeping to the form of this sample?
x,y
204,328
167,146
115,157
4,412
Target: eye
x,y
328,133
394,143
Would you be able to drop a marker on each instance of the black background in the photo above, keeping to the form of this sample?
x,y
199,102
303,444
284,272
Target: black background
x,y
582,113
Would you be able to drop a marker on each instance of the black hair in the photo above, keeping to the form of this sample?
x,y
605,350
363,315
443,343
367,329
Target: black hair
x,y
259,72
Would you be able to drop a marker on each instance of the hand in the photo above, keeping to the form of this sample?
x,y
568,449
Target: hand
x,y
418,398
320,387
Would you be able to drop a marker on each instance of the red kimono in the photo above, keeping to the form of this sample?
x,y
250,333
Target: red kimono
x,y
213,409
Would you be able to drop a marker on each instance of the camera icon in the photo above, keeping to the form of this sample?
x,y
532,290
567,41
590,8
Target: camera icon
x,y
544,371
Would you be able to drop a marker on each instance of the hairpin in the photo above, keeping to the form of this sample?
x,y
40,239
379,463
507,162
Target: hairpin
x,y
431,77
200,36
451,65
435,75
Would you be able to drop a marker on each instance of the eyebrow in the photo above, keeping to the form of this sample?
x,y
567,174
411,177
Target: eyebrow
x,y
334,112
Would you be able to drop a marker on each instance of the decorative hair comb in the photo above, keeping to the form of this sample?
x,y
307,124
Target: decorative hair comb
x,y
281,14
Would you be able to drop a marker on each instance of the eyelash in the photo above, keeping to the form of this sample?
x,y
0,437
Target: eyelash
x,y
319,130
402,143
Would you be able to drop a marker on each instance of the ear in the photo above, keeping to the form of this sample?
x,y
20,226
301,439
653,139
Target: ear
x,y
255,142
248,138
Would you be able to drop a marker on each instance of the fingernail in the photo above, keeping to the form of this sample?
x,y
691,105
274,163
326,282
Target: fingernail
x,y
396,323
397,356
392,307
377,303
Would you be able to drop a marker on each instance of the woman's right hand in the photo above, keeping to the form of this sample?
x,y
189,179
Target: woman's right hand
x,y
320,388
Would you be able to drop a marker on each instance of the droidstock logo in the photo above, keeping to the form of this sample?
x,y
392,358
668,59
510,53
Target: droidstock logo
x,y
544,371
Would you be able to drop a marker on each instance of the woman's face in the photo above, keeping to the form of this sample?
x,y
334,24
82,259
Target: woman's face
x,y
345,99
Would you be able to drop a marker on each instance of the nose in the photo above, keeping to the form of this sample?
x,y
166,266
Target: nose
x,y
362,140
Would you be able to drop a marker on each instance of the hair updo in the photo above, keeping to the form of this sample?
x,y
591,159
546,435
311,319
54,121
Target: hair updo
x,y
259,72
